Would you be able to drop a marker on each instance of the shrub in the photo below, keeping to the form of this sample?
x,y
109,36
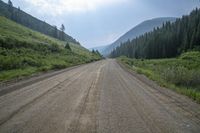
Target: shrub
x,y
181,76
67,46
8,63
31,62
193,55
59,66
54,48
44,68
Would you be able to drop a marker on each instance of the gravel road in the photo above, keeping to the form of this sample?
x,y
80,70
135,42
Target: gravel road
x,y
100,97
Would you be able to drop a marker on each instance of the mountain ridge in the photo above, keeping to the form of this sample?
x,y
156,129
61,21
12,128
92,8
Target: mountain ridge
x,y
139,29
168,41
19,16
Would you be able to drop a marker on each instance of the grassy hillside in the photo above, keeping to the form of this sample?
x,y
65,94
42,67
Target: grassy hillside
x,y
24,52
181,74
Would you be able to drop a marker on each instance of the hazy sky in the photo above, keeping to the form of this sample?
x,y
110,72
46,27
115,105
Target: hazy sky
x,y
100,22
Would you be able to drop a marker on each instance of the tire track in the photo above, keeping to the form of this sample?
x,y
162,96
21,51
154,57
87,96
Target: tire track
x,y
98,98
6,119
6,88
183,105
151,94
85,122
150,124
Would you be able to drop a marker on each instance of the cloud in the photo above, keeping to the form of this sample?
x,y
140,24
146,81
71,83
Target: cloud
x,y
59,7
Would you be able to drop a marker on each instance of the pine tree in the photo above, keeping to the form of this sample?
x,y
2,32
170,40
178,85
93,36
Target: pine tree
x,y
193,39
62,28
93,51
67,46
10,9
10,5
55,32
168,41
198,35
98,53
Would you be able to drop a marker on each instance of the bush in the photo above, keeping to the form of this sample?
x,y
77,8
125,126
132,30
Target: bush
x,y
67,46
44,68
59,66
181,76
54,48
193,55
31,62
8,63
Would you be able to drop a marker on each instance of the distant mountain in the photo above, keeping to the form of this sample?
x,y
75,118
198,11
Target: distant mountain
x,y
138,30
21,17
166,42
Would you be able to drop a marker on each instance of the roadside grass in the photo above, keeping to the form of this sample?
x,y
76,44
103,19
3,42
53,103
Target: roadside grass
x,y
181,74
17,73
24,52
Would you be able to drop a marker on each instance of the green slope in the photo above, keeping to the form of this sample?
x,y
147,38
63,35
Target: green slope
x,y
31,22
24,52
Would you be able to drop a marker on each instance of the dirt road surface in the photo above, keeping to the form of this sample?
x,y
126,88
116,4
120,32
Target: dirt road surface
x,y
100,97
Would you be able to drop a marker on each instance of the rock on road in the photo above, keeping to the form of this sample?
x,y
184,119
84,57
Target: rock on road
x,y
100,97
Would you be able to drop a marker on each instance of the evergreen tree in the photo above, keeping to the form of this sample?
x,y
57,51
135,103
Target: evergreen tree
x,y
198,35
67,46
55,32
98,53
10,9
193,39
10,6
62,28
93,51
165,42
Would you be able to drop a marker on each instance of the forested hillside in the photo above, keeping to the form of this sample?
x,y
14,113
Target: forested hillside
x,y
168,41
19,16
137,31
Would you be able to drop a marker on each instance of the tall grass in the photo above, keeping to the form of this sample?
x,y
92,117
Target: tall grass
x,y
181,74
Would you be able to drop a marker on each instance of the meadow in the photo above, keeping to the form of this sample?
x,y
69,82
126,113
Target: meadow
x,y
181,74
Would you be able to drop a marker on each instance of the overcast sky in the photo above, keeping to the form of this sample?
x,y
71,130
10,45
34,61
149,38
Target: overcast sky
x,y
100,22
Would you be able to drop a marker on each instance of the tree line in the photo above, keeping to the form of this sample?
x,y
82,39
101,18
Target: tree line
x,y
19,16
96,52
168,41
